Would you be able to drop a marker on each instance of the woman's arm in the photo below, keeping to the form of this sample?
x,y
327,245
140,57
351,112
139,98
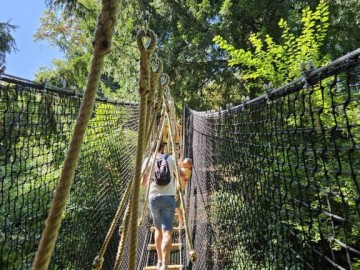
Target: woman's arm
x,y
145,179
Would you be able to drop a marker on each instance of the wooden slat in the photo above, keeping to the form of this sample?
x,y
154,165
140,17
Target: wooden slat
x,y
173,246
152,229
170,267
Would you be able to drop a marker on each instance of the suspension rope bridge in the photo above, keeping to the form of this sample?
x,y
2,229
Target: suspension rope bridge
x,y
274,183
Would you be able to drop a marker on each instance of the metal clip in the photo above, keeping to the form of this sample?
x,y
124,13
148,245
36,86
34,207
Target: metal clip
x,y
268,89
145,16
306,71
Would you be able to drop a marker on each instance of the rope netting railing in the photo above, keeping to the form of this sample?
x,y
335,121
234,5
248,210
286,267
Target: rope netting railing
x,y
100,227
36,125
275,181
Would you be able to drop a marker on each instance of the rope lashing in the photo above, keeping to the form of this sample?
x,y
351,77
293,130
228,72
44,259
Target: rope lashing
x,y
192,252
101,45
145,55
164,82
172,113
97,264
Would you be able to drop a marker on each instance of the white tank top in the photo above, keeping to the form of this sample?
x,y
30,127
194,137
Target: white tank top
x,y
155,189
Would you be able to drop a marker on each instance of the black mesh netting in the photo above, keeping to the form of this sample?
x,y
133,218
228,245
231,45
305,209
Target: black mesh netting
x,y
274,184
275,180
36,126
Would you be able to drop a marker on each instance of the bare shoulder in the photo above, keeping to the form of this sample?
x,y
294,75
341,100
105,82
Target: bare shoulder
x,y
171,160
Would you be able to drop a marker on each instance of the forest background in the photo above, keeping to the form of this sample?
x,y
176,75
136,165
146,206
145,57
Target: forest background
x,y
215,52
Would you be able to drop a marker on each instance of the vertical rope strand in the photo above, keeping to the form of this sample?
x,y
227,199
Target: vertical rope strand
x,y
98,261
143,88
158,136
102,44
159,100
123,237
151,109
192,252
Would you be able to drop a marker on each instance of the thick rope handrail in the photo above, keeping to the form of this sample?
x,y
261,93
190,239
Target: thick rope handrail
x,y
159,99
151,112
98,261
192,252
102,44
145,55
97,264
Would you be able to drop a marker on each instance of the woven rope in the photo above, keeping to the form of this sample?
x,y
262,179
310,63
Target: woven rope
x,y
123,237
159,100
156,147
151,110
192,253
98,261
102,44
145,55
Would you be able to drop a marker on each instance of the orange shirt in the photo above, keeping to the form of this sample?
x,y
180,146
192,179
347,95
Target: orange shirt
x,y
186,169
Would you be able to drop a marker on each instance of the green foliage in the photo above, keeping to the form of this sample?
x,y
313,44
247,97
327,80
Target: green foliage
x,y
194,63
280,63
102,175
343,34
36,132
72,33
7,42
280,188
187,53
242,237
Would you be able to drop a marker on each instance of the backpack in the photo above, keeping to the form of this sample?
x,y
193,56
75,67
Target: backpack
x,y
162,174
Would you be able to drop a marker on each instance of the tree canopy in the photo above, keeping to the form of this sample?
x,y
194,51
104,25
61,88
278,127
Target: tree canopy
x,y
267,62
7,42
198,67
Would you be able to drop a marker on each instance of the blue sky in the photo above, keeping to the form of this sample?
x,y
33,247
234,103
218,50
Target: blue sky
x,y
31,55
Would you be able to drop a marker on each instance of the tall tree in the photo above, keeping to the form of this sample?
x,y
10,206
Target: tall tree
x,y
268,61
71,30
196,65
344,32
7,42
186,30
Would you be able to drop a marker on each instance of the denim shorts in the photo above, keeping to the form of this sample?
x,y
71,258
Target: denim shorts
x,y
163,209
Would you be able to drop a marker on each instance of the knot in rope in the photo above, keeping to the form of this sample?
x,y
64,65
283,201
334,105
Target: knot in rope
x,y
145,55
105,27
98,262
193,255
151,45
